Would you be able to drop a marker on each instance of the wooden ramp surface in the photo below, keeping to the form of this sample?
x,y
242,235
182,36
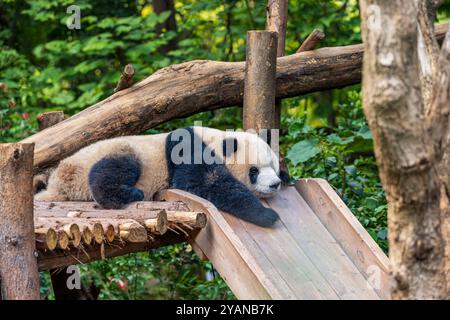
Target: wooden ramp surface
x,y
318,250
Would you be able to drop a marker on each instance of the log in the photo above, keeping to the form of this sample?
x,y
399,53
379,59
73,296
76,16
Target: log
x,y
188,88
259,87
276,21
18,265
154,220
126,79
194,220
132,232
62,240
99,229
46,238
83,206
56,259
311,41
47,119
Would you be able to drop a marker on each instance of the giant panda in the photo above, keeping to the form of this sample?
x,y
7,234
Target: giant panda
x,y
230,169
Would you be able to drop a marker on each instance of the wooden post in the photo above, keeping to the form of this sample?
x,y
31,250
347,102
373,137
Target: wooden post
x,y
276,20
59,276
18,264
259,83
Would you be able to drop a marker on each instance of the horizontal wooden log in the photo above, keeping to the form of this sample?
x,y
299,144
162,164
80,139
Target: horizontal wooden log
x,y
61,258
90,206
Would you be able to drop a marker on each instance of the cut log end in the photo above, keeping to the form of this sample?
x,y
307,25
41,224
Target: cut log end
x,y
132,232
110,233
87,235
46,238
98,233
63,240
157,225
195,220
74,234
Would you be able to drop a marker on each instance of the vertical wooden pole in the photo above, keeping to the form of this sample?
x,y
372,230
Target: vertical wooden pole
x,y
259,83
276,20
60,276
18,263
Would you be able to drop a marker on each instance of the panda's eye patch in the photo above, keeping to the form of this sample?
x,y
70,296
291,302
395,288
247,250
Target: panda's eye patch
x,y
253,174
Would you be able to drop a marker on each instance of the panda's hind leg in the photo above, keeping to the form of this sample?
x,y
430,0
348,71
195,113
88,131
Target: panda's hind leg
x,y
112,181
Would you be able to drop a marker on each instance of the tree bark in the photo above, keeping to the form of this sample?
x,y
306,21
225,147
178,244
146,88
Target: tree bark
x,y
181,90
311,41
276,21
126,78
18,266
394,107
259,88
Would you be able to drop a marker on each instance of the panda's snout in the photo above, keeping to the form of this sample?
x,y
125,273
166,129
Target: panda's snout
x,y
275,186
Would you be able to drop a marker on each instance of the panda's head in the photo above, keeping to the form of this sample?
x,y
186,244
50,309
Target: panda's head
x,y
251,160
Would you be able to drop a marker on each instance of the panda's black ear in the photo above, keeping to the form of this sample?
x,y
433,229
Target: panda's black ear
x,y
229,146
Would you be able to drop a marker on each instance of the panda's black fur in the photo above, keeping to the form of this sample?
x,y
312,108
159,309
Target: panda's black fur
x,y
216,184
112,182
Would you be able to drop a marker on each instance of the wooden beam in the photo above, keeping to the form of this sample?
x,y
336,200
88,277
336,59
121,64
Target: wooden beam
x,y
259,83
18,266
188,88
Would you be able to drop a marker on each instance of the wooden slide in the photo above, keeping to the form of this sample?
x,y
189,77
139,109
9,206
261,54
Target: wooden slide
x,y
318,249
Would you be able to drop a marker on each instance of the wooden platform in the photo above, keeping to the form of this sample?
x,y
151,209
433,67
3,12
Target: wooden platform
x,y
318,250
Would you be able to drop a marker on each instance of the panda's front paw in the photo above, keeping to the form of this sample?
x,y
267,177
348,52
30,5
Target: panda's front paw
x,y
263,217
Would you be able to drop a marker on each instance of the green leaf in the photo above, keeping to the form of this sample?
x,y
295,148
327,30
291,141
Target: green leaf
x,y
334,138
364,132
303,151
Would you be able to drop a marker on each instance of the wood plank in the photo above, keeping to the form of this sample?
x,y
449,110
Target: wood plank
x,y
320,247
292,263
246,270
348,232
230,256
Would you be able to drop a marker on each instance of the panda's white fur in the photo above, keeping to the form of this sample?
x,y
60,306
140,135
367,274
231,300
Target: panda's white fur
x,y
71,179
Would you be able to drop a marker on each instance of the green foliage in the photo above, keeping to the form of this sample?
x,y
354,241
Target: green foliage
x,y
343,155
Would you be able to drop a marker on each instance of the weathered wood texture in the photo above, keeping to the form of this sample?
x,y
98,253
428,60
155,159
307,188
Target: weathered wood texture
x,y
18,266
299,258
340,222
48,119
107,233
311,41
126,78
181,90
276,21
72,256
259,83
406,152
276,18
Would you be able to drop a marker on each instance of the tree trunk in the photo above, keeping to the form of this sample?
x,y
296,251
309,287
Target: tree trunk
x,y
170,24
409,170
18,266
